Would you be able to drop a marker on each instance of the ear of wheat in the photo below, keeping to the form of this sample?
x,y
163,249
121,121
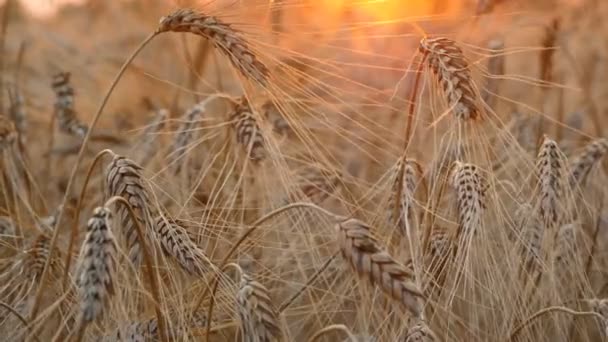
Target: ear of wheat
x,y
37,255
531,234
420,332
7,227
565,247
259,319
16,110
148,136
583,163
447,61
176,242
124,178
551,172
470,191
248,132
373,263
185,133
272,114
96,268
64,106
225,38
317,183
406,202
7,132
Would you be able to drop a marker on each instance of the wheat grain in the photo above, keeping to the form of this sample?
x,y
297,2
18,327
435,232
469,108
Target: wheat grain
x,y
64,106
373,263
447,61
259,319
176,242
248,131
583,163
551,172
223,36
124,178
96,268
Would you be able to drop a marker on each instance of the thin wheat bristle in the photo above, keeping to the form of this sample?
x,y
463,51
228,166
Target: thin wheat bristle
x,y
470,191
448,63
370,261
420,332
124,178
550,168
7,132
96,268
248,131
64,106
259,319
406,209
223,36
583,163
176,242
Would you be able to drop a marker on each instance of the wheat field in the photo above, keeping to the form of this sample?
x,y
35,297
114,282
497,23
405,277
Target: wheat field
x,y
304,170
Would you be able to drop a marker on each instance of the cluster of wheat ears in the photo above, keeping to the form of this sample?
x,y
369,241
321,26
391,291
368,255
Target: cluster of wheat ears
x,y
236,220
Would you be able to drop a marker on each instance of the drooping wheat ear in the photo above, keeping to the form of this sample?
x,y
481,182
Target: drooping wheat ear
x,y
551,172
223,36
64,106
531,231
405,207
259,319
583,163
176,242
96,265
366,257
248,131
470,191
7,132
448,63
124,178
317,183
420,332
185,133
148,136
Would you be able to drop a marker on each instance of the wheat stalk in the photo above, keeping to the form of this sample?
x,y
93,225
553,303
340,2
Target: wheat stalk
x,y
96,268
583,163
223,36
370,261
248,131
551,172
259,319
176,242
64,106
124,179
447,61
